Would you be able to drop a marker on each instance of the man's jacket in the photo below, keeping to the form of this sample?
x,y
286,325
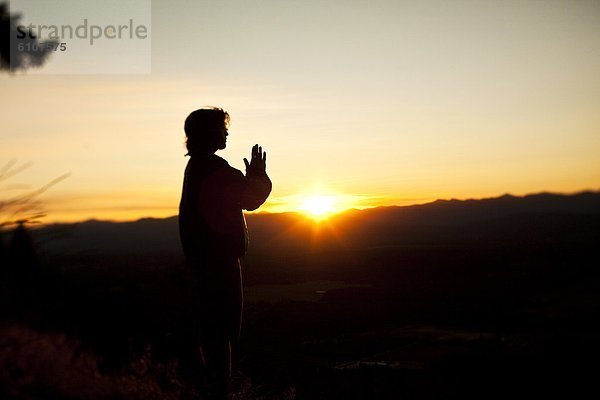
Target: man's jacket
x,y
211,221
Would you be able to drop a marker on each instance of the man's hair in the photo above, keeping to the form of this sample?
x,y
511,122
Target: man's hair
x,y
201,127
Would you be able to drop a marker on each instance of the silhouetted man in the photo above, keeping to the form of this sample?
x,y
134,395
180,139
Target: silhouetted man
x,y
214,236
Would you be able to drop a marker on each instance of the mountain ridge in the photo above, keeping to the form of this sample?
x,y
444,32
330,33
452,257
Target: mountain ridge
x,y
588,194
532,218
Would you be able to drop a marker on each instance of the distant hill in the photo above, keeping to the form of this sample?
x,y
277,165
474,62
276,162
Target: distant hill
x,y
543,217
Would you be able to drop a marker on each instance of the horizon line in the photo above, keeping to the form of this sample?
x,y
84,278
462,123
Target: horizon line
x,y
507,194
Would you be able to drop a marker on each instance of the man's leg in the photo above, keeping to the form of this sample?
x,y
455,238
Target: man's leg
x,y
216,353
221,300
236,306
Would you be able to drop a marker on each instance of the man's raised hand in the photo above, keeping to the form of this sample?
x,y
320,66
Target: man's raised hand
x,y
258,161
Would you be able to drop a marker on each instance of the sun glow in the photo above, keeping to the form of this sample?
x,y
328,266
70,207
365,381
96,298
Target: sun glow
x,y
318,206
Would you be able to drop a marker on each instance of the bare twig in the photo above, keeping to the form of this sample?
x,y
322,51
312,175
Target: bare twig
x,y
24,207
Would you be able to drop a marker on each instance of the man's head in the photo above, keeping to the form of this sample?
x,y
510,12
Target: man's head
x,y
206,130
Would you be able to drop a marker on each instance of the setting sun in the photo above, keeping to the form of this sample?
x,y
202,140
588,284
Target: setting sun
x,y
319,202
318,206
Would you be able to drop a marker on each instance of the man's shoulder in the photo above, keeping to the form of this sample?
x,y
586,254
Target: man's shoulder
x,y
212,164
220,160
207,161
226,168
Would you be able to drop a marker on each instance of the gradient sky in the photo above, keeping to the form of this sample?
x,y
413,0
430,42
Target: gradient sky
x,y
384,102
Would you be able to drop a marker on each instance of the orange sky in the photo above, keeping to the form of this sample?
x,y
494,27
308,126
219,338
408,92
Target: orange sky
x,y
378,103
